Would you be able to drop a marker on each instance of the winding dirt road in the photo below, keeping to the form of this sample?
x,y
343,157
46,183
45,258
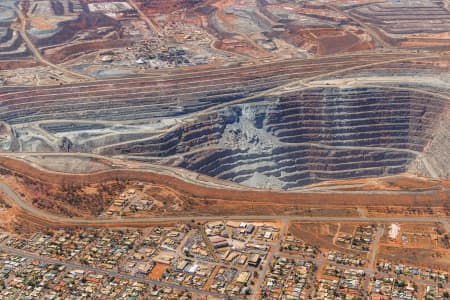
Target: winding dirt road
x,y
37,53
31,210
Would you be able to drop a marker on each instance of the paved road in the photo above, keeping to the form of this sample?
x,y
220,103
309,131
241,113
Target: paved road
x,y
37,54
275,251
373,256
77,266
32,210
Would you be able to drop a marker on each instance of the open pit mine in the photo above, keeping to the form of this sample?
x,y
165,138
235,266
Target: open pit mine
x,y
271,126
225,149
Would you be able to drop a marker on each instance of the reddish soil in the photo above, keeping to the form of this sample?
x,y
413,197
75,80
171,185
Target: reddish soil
x,y
193,190
428,258
326,41
169,6
396,183
318,235
423,236
157,271
17,64
425,43
240,46
335,42
71,199
71,51
410,210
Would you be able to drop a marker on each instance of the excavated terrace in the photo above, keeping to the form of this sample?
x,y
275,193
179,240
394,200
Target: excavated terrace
x,y
258,126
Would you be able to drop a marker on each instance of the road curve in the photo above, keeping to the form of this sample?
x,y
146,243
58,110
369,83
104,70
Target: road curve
x,y
43,215
37,54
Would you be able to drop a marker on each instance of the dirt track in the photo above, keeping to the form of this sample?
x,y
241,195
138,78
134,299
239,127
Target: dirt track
x,y
196,190
32,215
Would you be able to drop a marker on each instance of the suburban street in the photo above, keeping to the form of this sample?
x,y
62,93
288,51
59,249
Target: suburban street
x,y
76,266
